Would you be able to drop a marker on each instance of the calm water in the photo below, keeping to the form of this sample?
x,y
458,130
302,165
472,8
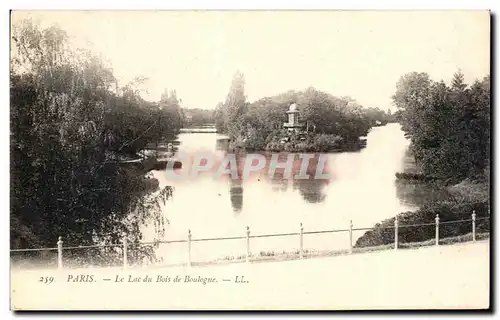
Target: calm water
x,y
362,189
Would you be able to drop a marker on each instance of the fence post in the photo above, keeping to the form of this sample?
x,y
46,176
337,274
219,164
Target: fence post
x,y
350,236
125,255
301,241
474,225
396,227
437,229
59,253
248,245
189,248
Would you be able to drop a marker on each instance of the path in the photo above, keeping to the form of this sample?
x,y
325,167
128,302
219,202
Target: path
x,y
454,276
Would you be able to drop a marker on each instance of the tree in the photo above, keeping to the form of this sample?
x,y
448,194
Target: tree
x,y
220,116
235,100
331,116
198,117
70,125
171,113
234,106
411,97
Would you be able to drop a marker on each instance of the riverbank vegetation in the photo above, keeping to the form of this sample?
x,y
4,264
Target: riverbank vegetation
x,y
383,232
415,177
449,130
71,123
329,123
285,255
196,117
449,126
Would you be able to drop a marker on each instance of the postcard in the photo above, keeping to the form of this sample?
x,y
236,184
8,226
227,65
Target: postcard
x,y
250,160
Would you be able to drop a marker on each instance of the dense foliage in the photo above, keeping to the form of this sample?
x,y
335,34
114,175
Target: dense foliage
x,y
449,126
70,126
383,233
228,112
198,117
449,129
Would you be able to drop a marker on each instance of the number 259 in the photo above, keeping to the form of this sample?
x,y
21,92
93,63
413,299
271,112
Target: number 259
x,y
46,280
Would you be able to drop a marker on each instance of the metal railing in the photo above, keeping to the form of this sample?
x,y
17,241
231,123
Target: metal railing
x,y
122,248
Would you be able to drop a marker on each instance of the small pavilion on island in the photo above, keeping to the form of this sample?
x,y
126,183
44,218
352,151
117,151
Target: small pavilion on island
x,y
293,119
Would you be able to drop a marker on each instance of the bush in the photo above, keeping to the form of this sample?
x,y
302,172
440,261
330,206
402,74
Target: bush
x,y
303,142
325,142
383,233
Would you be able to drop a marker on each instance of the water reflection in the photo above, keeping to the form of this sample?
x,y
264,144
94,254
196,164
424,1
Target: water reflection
x,y
222,144
416,194
311,191
279,183
236,194
362,188
305,177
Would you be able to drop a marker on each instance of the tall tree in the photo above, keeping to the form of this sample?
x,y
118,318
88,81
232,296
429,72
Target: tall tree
x,y
233,107
220,116
235,100
457,83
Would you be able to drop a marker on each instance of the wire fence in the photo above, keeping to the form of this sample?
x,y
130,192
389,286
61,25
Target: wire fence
x,y
250,247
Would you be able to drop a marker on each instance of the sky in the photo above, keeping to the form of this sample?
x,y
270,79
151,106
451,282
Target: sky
x,y
360,54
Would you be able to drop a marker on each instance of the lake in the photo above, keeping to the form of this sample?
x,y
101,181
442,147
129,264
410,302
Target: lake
x,y
362,188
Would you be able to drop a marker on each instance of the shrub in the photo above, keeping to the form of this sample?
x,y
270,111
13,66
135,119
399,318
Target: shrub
x,y
383,233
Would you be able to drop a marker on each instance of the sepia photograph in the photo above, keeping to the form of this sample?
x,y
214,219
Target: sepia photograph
x,y
250,160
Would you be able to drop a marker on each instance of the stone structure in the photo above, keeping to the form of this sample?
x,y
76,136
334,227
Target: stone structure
x,y
293,119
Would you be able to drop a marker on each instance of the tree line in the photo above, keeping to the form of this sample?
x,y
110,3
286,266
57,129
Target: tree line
x,y
196,117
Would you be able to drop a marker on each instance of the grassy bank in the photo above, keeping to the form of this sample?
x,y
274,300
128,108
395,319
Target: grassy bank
x,y
264,256
455,216
455,220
